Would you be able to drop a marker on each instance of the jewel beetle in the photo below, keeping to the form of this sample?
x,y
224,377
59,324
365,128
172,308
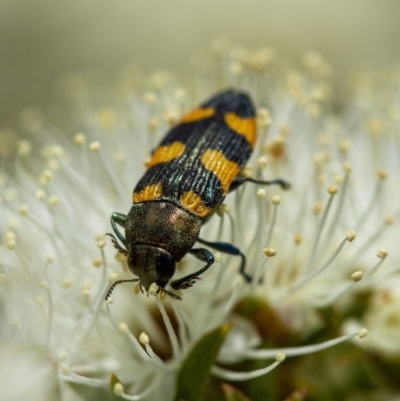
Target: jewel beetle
x,y
187,178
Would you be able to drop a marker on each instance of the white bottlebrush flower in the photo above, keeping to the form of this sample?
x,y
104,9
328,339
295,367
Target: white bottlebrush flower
x,y
58,192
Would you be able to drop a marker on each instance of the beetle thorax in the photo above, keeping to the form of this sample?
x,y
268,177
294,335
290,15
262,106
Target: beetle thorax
x,y
162,224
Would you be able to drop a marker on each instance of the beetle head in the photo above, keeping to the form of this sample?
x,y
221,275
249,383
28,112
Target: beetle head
x,y
152,265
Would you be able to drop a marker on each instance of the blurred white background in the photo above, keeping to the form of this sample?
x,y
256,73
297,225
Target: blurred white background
x,y
41,39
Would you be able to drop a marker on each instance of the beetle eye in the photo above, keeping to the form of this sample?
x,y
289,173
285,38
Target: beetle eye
x,y
165,267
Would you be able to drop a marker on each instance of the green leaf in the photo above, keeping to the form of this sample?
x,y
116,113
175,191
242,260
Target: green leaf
x,y
233,394
195,369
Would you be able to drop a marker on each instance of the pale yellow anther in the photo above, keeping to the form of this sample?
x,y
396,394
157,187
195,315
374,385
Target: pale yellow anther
x,y
332,190
247,172
263,118
280,357
94,146
283,130
79,139
41,180
109,301
381,173
389,220
263,112
97,262
382,253
150,98
39,300
276,200
375,126
106,117
66,282
43,284
318,94
279,140
344,146
10,244
86,293
123,327
3,278
49,258
363,333
153,289
40,194
120,257
23,210
313,110
160,78
53,200
220,212
144,338
9,235
356,276
112,277
226,208
86,286
24,148
338,179
101,244
57,150
261,162
162,295
99,236
320,157
217,257
270,252
347,167
118,389
351,235
62,356
153,124
171,117
120,155
259,60
264,123
317,207
180,94
324,139
12,223
261,193
236,68
298,239
64,369
137,288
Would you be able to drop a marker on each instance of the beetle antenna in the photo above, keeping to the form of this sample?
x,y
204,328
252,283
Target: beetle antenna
x,y
115,283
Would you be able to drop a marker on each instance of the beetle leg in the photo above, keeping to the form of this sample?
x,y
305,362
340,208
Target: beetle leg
x,y
118,218
185,282
230,249
116,245
237,182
